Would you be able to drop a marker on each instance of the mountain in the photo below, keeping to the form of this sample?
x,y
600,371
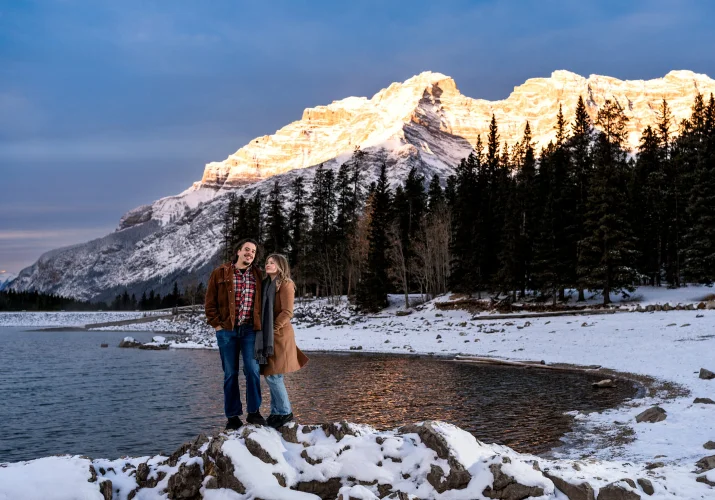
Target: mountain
x,y
424,122
5,279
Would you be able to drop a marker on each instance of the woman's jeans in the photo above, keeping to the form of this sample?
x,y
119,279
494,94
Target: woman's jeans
x,y
280,405
231,344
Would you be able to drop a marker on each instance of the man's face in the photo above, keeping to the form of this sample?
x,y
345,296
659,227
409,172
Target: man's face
x,y
246,254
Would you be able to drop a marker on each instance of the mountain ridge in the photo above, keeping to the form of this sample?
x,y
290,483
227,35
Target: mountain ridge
x,y
423,123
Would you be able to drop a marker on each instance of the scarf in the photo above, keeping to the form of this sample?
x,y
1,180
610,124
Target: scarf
x,y
264,340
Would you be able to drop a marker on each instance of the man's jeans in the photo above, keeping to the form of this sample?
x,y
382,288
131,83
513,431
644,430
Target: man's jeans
x,y
231,344
280,405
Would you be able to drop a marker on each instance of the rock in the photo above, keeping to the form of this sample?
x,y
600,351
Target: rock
x,y
704,479
280,478
258,451
654,465
706,463
103,345
129,342
105,489
438,337
142,476
458,477
92,474
186,483
403,313
604,384
152,347
614,491
705,401
180,452
710,445
221,467
706,374
289,432
327,490
701,306
304,455
505,487
582,491
652,415
356,348
667,307
338,430
646,486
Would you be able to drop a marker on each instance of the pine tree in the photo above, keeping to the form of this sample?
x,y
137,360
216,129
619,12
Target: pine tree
x,y
372,289
298,223
463,268
608,252
276,240
435,195
699,254
579,147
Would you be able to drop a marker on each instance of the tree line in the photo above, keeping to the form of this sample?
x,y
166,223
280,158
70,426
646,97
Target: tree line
x,y
583,213
192,294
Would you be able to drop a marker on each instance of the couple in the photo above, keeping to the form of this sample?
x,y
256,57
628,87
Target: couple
x,y
252,316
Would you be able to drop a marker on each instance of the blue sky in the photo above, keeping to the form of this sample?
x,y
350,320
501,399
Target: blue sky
x,y
106,105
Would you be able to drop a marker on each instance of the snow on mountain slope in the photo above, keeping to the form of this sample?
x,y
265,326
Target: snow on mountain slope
x,y
424,122
5,279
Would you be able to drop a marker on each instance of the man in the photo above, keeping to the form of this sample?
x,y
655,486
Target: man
x,y
233,298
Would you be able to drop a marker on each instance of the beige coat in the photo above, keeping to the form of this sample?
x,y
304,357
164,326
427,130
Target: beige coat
x,y
287,357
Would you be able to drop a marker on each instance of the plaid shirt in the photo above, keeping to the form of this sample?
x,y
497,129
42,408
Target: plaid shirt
x,y
244,283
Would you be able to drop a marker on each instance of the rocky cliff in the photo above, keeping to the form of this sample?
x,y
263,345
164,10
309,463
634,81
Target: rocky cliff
x,y
424,122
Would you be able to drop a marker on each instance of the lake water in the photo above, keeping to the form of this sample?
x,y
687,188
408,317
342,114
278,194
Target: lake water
x,y
60,392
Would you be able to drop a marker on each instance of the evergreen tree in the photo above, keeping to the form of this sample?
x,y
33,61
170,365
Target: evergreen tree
x,y
298,223
435,195
699,254
463,267
579,147
372,289
607,251
276,240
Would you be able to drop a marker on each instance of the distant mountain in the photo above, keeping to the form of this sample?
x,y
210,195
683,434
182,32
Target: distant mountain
x,y
5,279
424,122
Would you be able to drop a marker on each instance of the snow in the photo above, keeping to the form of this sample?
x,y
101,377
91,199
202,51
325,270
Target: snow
x,y
670,347
62,319
51,478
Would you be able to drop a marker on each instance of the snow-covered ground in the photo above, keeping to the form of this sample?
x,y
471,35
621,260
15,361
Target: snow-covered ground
x,y
63,319
667,347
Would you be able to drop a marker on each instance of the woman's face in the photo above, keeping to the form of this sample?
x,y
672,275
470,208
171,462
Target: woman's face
x,y
271,267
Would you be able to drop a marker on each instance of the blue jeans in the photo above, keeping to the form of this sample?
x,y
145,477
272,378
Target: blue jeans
x,y
280,405
231,344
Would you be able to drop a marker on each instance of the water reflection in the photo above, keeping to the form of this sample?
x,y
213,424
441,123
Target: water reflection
x,y
76,397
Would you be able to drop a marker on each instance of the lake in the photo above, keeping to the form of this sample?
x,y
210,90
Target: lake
x,y
60,392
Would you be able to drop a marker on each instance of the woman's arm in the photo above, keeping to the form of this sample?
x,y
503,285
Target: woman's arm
x,y
287,293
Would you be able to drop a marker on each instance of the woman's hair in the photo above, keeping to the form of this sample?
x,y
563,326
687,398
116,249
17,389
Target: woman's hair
x,y
283,267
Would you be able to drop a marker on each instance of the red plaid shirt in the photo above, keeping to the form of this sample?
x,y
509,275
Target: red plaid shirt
x,y
245,285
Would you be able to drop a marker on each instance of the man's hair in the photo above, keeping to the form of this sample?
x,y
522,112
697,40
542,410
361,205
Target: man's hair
x,y
239,245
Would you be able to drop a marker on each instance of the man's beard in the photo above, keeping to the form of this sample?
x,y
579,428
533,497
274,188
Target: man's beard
x,y
246,262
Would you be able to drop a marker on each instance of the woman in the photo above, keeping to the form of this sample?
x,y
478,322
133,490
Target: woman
x,y
276,350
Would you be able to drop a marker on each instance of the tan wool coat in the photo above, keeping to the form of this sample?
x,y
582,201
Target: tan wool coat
x,y
286,355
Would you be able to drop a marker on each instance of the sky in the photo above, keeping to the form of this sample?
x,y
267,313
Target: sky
x,y
107,105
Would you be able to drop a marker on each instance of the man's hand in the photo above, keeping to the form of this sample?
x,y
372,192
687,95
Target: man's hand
x,y
218,328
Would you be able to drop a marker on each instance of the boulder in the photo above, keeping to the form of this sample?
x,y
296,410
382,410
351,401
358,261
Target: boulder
x,y
706,463
582,491
327,490
646,486
710,445
701,305
221,467
105,489
255,448
706,374
505,487
186,483
705,401
129,342
652,415
615,491
704,479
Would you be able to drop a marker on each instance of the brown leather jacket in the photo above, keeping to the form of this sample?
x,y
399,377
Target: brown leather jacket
x,y
220,301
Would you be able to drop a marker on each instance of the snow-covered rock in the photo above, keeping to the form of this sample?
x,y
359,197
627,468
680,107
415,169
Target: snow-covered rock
x,y
428,460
